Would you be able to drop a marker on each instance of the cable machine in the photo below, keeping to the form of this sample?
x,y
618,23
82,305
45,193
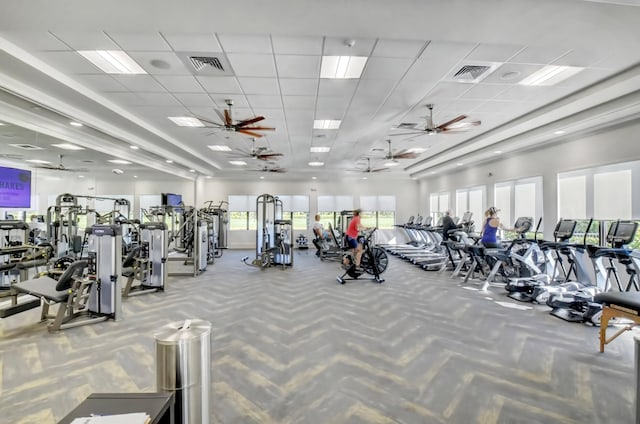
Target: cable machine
x,y
274,242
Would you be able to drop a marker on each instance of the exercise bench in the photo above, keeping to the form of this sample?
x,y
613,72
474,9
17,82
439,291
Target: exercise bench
x,y
618,305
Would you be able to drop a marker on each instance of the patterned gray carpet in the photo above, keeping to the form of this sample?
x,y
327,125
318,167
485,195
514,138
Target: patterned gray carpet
x,y
293,346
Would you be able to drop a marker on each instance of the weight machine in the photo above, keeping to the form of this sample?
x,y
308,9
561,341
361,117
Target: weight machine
x,y
83,298
147,262
274,241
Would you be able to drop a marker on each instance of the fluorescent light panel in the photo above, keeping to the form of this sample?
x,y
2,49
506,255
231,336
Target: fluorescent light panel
x,y
120,161
417,150
237,162
342,66
112,61
67,146
320,149
390,164
37,161
326,124
550,75
75,124
186,121
220,148
315,163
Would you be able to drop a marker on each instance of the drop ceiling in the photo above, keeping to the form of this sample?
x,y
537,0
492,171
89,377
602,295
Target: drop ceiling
x,y
272,53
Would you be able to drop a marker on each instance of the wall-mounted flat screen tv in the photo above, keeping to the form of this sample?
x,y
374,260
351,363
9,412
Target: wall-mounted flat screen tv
x,y
170,199
15,188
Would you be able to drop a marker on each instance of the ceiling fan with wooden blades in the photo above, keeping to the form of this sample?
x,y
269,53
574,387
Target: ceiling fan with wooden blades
x,y
259,153
61,167
369,169
244,127
455,125
268,168
402,154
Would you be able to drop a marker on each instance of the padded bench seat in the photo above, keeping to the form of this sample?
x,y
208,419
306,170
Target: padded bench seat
x,y
618,305
42,287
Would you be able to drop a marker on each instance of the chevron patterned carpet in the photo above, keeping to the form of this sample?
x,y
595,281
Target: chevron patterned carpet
x,y
293,346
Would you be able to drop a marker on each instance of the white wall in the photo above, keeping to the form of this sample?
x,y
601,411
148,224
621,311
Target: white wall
x,y
608,147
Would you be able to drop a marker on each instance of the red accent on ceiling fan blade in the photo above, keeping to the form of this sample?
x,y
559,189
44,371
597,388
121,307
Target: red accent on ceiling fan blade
x,y
444,126
227,118
406,155
251,133
249,121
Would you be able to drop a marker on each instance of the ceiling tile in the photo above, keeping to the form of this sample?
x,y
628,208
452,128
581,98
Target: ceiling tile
x,y
182,42
484,91
298,66
510,73
398,48
39,40
431,69
386,68
220,85
89,40
239,101
259,85
449,90
496,106
268,102
252,65
299,102
139,83
331,107
298,86
437,50
194,99
585,77
235,43
160,63
538,54
179,83
297,45
493,52
69,62
157,99
123,98
578,57
100,82
342,88
143,42
461,106
518,93
339,46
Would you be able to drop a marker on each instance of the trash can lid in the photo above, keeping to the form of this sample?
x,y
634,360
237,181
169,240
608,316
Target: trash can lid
x,y
188,329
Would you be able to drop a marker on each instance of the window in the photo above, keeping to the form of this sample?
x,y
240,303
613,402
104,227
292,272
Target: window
x,y
242,213
520,198
329,208
612,195
296,208
378,211
471,200
438,205
572,197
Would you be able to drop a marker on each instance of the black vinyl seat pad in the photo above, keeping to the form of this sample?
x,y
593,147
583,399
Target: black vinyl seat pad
x,y
630,300
42,287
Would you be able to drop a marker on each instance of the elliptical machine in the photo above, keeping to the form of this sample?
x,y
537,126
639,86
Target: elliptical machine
x,y
374,261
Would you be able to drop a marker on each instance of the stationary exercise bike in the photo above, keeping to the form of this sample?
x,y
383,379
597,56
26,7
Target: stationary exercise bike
x,y
374,261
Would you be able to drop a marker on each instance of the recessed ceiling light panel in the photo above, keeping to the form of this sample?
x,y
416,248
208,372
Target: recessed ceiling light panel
x,y
112,61
550,75
219,148
67,146
120,161
320,149
342,67
316,163
326,124
186,121
237,162
38,161
75,124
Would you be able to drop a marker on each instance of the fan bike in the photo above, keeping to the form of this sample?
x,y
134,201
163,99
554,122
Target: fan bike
x,y
374,262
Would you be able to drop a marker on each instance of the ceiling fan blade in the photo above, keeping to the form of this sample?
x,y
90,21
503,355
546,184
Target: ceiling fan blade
x,y
220,115
380,170
227,118
405,155
279,170
251,133
250,121
208,121
258,128
443,127
461,126
268,156
420,132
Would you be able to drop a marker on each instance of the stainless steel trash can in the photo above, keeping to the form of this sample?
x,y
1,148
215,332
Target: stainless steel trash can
x,y
183,352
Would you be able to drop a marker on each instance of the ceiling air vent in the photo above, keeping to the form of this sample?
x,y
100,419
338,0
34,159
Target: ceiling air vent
x,y
474,72
26,146
200,63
